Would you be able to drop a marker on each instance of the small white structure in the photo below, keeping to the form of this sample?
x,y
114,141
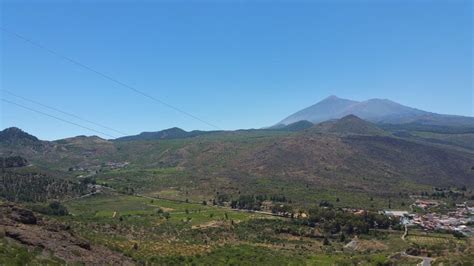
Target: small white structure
x,y
396,213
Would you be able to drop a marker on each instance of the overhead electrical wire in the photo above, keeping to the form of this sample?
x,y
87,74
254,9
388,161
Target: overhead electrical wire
x,y
65,113
58,118
116,81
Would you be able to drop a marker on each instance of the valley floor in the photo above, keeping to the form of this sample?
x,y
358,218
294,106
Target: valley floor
x,y
158,231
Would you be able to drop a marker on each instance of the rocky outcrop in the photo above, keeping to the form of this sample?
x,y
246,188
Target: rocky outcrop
x,y
33,231
23,216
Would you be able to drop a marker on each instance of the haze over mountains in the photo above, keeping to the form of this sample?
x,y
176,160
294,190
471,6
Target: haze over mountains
x,y
374,110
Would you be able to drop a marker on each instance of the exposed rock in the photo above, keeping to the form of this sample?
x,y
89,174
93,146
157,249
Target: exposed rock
x,y
23,216
28,229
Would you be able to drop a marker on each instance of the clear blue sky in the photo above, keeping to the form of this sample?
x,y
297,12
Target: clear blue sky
x,y
236,64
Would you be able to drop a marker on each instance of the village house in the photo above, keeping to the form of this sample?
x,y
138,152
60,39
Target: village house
x,y
425,204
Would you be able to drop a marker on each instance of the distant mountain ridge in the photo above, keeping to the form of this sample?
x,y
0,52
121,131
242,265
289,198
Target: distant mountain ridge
x,y
16,136
178,133
296,126
171,133
349,151
374,110
349,125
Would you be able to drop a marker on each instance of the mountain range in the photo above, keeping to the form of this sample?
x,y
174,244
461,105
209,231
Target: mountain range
x,y
374,110
350,150
345,163
170,133
383,112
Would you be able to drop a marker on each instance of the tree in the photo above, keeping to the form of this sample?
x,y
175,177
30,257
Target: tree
x,y
326,241
342,237
248,202
283,209
325,203
53,208
458,234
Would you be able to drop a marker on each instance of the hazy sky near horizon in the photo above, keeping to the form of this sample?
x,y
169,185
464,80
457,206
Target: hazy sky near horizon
x,y
235,64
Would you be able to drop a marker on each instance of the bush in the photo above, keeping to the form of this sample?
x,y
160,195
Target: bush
x,y
458,234
53,208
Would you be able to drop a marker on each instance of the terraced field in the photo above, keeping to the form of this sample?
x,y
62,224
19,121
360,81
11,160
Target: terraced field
x,y
143,227
149,209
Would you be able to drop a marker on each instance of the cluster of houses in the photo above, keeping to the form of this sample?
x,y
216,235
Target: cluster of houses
x,y
114,165
109,165
454,221
458,220
425,204
355,211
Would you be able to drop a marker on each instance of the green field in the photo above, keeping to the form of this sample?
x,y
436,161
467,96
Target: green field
x,y
188,201
146,209
198,234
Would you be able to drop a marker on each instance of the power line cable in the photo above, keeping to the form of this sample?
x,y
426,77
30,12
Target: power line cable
x,y
77,63
58,118
65,113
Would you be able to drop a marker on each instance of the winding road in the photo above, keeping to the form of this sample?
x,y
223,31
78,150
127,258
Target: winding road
x,y
426,260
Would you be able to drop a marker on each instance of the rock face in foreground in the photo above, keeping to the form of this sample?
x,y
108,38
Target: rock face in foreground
x,y
29,229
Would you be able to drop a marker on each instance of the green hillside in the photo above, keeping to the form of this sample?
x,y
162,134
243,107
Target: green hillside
x,y
347,159
267,197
